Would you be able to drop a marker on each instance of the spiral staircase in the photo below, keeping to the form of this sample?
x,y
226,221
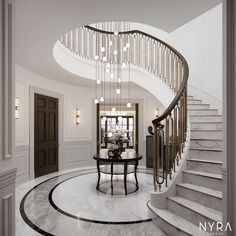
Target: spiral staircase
x,y
198,196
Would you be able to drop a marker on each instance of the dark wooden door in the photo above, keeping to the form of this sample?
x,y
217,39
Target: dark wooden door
x,y
45,135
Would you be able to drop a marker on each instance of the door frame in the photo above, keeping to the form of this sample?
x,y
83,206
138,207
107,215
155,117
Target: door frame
x,y
142,126
60,98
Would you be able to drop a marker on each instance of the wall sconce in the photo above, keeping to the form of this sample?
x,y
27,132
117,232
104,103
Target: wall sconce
x,y
157,113
17,114
77,116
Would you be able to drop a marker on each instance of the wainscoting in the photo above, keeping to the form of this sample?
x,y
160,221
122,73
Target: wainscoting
x,y
78,154
7,202
22,163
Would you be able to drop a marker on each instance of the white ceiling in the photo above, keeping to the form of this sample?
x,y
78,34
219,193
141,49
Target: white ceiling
x,y
39,23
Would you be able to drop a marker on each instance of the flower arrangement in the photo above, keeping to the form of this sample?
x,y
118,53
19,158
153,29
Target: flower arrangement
x,y
117,136
115,148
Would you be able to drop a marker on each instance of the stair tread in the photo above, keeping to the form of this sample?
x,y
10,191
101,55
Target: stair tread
x,y
209,139
177,221
202,103
205,130
202,115
206,149
206,122
205,109
192,99
205,190
206,161
210,213
205,174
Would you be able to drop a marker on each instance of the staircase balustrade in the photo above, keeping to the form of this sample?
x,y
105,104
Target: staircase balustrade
x,y
160,59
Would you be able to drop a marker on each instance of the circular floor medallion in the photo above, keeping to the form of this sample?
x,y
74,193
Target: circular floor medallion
x,y
78,198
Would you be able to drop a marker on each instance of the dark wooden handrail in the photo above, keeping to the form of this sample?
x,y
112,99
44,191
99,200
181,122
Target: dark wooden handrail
x,y
181,90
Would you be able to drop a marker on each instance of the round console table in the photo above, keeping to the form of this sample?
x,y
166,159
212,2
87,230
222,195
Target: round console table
x,y
127,163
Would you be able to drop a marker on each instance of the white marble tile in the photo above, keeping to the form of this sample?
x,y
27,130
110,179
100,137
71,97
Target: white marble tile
x,y
206,134
207,180
206,126
205,118
95,205
206,144
206,154
193,211
198,106
205,196
203,165
202,111
79,196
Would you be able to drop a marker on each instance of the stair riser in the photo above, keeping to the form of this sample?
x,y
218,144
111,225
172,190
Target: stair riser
x,y
169,229
209,144
203,181
201,198
186,213
194,102
198,106
214,135
206,126
205,155
202,112
205,167
189,97
205,118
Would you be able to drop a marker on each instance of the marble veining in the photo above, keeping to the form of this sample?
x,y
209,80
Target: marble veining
x,y
77,194
94,205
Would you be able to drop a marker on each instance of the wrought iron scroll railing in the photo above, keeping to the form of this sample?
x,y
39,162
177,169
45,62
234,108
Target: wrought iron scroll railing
x,y
161,60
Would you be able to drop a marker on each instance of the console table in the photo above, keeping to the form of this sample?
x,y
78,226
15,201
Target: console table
x,y
126,160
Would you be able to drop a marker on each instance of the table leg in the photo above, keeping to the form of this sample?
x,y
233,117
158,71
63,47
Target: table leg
x,y
112,178
135,174
125,177
99,174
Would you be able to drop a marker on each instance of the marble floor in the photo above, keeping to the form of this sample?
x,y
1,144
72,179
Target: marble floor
x,y
67,203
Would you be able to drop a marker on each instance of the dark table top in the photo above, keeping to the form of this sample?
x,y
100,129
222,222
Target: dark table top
x,y
125,157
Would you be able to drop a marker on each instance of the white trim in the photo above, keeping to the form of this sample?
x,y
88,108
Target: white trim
x,y
7,177
7,224
60,98
229,114
8,80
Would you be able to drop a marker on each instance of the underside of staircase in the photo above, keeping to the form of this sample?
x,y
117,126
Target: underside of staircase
x,y
199,196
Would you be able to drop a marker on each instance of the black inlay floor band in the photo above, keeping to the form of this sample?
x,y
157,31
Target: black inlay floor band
x,y
41,231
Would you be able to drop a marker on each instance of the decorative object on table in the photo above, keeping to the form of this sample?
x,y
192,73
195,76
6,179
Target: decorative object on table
x,y
115,148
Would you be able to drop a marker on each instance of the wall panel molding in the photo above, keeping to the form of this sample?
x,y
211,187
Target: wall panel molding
x,y
22,163
77,153
7,177
7,202
229,133
8,80
7,205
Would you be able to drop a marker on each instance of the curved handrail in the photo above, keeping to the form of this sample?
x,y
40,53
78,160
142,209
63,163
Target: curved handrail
x,y
185,75
169,133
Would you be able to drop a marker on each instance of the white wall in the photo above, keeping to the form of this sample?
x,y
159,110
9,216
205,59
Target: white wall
x,y
78,140
200,42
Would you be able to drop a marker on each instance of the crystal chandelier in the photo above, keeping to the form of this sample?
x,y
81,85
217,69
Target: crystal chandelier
x,y
112,58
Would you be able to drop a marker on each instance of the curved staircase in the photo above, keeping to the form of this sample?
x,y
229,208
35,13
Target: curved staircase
x,y
199,196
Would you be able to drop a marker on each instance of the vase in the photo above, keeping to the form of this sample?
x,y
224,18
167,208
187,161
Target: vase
x,y
114,153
